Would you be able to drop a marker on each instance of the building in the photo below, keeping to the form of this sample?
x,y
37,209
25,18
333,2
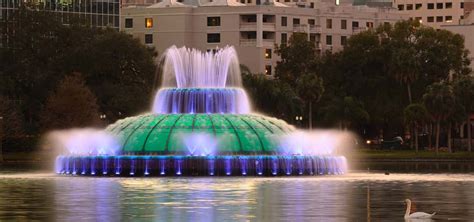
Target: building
x,y
433,13
252,27
100,13
466,29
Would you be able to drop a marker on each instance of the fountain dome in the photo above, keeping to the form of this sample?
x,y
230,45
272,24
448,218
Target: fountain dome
x,y
169,133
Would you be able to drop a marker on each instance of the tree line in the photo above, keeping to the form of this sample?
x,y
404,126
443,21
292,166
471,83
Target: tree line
x,y
386,81
59,76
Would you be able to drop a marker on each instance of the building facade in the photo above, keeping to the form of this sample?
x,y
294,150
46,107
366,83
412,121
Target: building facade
x,y
99,13
434,13
466,29
253,28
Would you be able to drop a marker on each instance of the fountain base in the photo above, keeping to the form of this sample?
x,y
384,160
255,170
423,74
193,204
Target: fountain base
x,y
263,165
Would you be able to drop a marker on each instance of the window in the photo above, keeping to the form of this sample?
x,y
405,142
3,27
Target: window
x,y
448,19
268,69
430,19
268,53
213,21
410,7
449,5
296,21
418,6
284,38
213,37
462,4
355,24
329,23
148,38
284,21
430,5
328,40
249,1
311,5
311,21
401,7
439,18
439,5
148,23
369,24
312,38
343,24
128,23
343,40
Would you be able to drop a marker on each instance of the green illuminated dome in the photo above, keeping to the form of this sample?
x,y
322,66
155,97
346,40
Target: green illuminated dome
x,y
165,133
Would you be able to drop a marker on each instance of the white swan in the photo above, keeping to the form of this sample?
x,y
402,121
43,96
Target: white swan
x,y
416,215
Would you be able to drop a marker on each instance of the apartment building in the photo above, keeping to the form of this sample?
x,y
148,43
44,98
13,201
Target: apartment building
x,y
253,29
101,13
434,13
466,29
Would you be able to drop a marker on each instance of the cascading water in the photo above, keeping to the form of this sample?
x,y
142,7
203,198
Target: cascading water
x,y
201,124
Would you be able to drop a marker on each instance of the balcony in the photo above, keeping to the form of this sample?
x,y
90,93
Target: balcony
x,y
314,28
300,28
357,30
248,42
248,25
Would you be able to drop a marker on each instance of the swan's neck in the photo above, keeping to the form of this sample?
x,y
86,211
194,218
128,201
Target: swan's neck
x,y
407,213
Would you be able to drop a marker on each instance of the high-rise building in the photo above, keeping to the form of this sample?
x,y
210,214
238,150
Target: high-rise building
x,y
100,13
252,27
431,12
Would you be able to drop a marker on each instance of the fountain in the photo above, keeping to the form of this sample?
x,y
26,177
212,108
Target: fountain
x,y
201,124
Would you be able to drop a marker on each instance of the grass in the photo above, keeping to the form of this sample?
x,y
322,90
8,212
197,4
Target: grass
x,y
409,154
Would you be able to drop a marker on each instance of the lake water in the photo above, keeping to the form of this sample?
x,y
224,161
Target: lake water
x,y
356,196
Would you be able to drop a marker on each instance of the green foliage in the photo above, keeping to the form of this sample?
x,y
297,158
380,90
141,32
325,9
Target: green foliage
x,y
41,51
464,91
71,105
298,57
416,114
345,112
272,96
440,101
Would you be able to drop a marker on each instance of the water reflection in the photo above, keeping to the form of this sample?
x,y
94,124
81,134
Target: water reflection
x,y
354,197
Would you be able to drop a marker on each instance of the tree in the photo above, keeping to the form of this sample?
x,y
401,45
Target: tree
x,y
272,96
404,63
345,112
464,91
439,100
310,88
41,51
298,57
415,115
71,105
298,69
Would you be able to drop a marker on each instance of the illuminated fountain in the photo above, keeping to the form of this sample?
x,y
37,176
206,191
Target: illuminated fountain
x,y
201,124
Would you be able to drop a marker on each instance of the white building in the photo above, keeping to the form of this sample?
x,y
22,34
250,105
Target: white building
x,y
434,13
252,27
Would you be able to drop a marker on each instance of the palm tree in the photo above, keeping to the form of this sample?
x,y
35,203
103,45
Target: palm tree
x,y
310,88
440,102
415,115
464,90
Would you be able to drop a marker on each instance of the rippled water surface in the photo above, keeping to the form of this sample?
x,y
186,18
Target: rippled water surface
x,y
353,197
